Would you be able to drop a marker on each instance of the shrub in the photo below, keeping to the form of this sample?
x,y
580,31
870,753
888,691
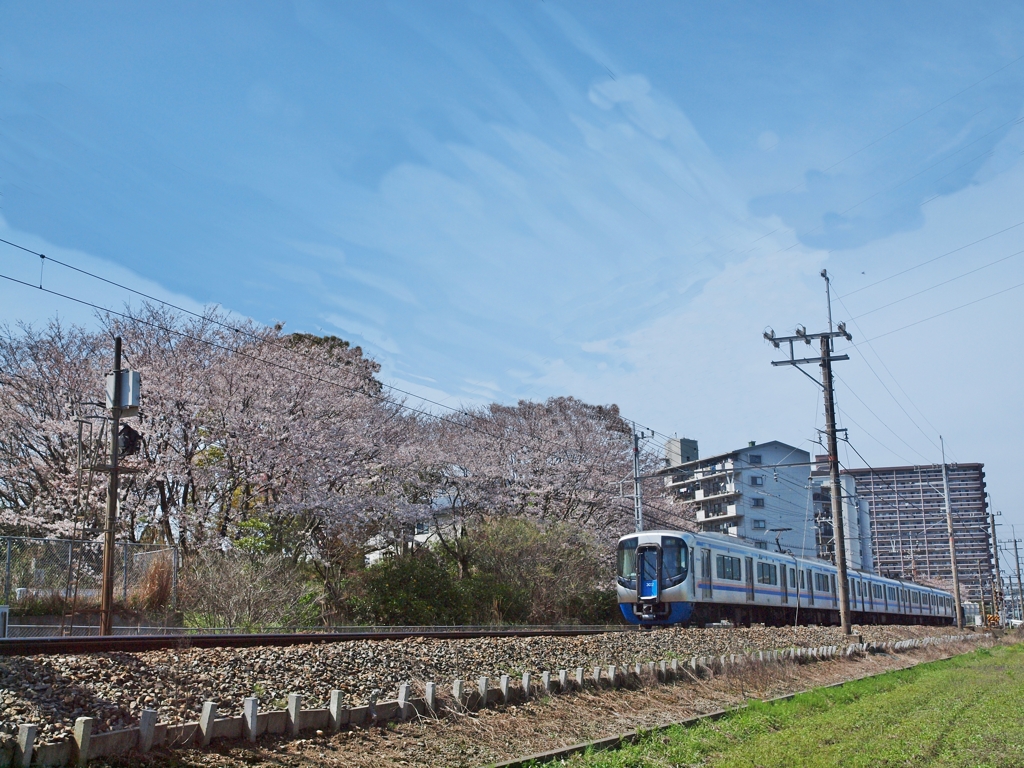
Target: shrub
x,y
245,591
413,590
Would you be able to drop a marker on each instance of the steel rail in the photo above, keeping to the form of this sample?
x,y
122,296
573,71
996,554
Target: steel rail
x,y
33,646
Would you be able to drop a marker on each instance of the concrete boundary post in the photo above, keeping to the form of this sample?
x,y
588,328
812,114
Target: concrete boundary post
x,y
294,713
83,736
579,678
481,687
613,676
147,729
503,684
206,722
250,717
430,694
25,744
663,671
597,677
527,688
545,678
404,708
457,692
336,709
563,681
674,666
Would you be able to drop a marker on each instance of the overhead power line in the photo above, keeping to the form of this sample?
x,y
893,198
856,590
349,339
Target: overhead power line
x,y
945,312
931,260
228,326
281,366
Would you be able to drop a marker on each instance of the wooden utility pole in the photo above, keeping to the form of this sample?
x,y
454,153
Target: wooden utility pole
x,y
839,533
952,541
997,585
110,527
825,361
1020,589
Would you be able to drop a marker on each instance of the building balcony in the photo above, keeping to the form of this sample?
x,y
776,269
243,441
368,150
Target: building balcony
x,y
724,491
729,513
673,484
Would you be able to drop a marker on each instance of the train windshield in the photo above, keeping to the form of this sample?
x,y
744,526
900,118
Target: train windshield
x,y
626,561
673,561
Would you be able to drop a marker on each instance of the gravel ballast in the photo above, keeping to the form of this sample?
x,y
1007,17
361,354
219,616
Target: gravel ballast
x,y
114,688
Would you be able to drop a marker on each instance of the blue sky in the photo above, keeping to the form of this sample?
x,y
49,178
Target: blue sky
x,y
519,200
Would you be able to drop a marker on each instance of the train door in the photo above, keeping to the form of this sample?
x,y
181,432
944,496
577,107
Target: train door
x,y
782,583
647,573
706,586
810,588
750,578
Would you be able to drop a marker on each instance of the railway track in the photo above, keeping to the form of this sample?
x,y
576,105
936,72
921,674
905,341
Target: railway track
x,y
32,646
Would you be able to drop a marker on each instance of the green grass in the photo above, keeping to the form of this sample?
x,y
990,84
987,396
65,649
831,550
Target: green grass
x,y
965,711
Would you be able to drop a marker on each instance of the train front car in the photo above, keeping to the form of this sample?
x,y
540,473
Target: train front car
x,y
652,571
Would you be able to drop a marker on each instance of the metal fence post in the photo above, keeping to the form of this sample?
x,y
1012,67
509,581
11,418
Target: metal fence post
x,y
7,575
71,565
174,578
124,591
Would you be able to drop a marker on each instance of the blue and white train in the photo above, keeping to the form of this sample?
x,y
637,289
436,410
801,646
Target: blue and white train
x,y
678,577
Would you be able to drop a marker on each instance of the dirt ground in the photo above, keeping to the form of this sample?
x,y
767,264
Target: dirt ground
x,y
480,738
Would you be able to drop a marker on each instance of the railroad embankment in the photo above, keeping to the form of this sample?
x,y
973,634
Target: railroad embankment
x,y
115,688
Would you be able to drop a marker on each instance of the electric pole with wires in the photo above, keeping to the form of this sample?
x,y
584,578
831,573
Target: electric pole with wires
x,y
638,501
825,360
122,400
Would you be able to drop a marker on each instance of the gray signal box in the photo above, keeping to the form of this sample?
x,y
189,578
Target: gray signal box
x,y
131,388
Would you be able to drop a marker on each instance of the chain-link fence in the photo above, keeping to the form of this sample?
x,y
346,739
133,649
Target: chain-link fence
x,y
55,576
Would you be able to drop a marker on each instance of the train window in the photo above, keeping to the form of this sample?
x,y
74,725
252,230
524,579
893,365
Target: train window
x,y
892,593
767,573
673,561
792,577
914,599
626,562
821,582
728,567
